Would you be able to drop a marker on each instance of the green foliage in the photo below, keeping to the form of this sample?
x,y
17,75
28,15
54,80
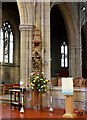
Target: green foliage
x,y
38,82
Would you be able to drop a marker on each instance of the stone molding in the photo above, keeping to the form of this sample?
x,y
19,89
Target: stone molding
x,y
24,27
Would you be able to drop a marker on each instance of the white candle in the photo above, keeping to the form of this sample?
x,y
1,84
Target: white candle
x,y
22,99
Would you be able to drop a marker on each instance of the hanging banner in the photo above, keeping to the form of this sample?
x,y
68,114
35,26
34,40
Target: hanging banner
x,y
67,86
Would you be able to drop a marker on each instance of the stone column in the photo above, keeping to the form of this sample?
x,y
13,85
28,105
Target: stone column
x,y
75,62
78,65
43,35
72,61
47,40
26,36
75,50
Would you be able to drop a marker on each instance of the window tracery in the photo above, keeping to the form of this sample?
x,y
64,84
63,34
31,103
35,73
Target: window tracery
x,y
6,43
64,55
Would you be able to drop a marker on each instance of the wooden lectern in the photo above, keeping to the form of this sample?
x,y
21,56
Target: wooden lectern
x,y
69,107
67,91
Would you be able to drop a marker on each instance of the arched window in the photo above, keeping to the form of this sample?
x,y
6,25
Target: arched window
x,y
64,55
6,43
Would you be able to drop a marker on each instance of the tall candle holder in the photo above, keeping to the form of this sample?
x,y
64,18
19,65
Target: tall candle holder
x,y
22,108
22,97
29,92
51,100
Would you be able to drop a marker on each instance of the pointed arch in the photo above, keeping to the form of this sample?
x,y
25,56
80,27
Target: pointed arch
x,y
74,38
26,12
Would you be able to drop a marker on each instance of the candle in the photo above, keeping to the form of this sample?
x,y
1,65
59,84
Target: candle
x,y
22,99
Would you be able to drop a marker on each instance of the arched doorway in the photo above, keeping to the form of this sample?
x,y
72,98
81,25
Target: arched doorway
x,y
59,44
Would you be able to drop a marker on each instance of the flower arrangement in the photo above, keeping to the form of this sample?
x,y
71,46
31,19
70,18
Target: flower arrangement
x,y
38,82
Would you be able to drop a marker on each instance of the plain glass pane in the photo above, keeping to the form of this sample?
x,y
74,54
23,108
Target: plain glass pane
x,y
11,49
62,62
65,49
6,58
62,49
1,46
66,62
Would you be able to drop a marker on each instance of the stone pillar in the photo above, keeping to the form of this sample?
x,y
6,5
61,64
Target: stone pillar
x,y
47,40
43,35
72,61
78,65
26,36
75,62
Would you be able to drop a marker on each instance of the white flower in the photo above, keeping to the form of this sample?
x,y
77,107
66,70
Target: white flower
x,y
42,72
32,73
41,86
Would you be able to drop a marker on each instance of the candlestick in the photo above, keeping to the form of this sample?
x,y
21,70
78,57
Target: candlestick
x,y
51,100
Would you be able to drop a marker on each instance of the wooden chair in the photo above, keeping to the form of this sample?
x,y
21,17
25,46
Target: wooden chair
x,y
7,87
79,82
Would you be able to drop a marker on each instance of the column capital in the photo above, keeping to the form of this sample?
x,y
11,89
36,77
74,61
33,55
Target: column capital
x,y
24,27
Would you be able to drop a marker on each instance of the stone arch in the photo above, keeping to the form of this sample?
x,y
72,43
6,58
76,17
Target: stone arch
x,y
27,22
71,22
74,39
26,12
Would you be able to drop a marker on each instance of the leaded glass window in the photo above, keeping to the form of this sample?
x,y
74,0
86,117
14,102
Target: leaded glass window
x,y
6,43
64,55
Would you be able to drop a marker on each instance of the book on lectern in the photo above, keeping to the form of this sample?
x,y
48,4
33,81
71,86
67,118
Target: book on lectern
x,y
67,86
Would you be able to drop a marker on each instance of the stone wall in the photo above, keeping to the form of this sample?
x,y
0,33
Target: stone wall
x,y
9,74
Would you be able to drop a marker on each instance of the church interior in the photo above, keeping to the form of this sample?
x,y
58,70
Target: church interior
x,y
43,59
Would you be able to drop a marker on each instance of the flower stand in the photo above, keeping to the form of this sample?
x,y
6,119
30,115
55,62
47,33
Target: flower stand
x,y
36,102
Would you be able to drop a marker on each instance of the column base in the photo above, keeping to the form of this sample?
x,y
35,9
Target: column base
x,y
69,115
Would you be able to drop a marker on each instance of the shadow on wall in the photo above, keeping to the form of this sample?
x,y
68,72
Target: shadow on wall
x,y
6,81
6,77
84,73
64,72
